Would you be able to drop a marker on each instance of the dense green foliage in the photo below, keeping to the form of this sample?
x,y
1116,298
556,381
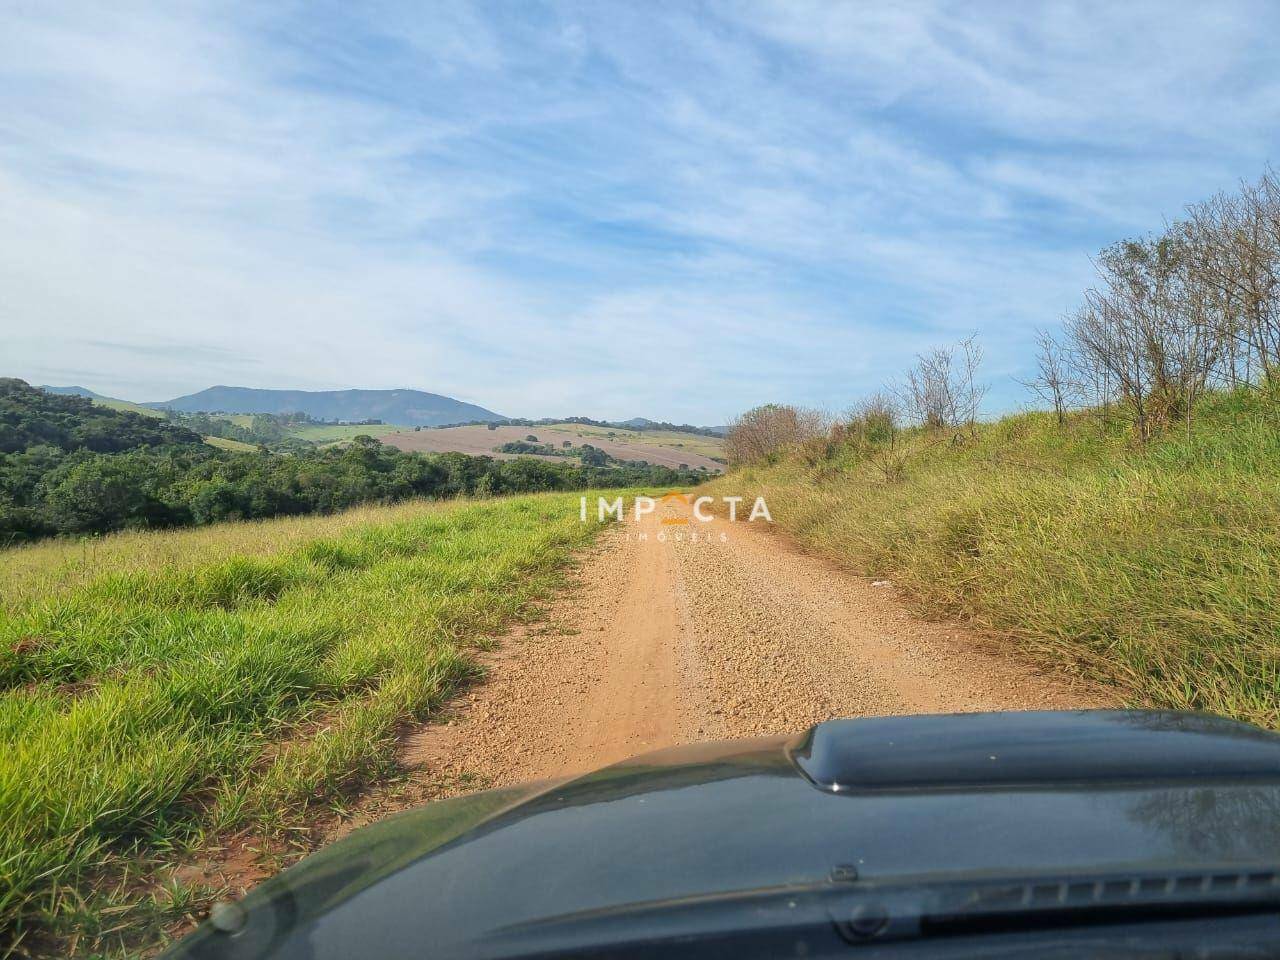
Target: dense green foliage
x,y
585,453
524,447
264,429
70,467
33,418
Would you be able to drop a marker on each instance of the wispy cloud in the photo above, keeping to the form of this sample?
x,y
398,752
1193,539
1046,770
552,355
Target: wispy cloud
x,y
666,209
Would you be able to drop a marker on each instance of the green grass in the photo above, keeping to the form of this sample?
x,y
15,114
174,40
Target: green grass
x,y
222,443
131,407
694,443
1154,570
160,689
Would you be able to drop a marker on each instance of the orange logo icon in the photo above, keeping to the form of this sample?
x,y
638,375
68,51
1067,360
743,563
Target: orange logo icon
x,y
674,498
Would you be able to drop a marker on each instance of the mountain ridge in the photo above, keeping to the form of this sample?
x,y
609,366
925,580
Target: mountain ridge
x,y
439,410
400,406
76,391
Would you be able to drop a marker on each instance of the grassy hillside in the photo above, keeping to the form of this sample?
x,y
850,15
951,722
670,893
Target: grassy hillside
x,y
237,446
688,442
127,406
391,406
569,439
1151,568
159,689
331,432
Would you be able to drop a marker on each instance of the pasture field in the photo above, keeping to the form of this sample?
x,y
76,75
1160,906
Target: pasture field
x,y
694,443
237,446
625,445
334,432
1152,569
158,690
130,407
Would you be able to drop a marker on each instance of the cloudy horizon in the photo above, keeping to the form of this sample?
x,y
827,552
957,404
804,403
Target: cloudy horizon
x,y
669,210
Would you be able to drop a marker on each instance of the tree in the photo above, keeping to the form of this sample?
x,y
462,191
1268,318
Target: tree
x,y
1054,382
593,456
1150,328
767,430
102,493
941,391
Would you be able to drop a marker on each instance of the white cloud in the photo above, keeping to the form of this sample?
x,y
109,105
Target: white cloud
x,y
602,209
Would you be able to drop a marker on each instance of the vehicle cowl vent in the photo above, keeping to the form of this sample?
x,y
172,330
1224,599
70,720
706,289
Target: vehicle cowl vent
x,y
1029,749
911,908
1117,891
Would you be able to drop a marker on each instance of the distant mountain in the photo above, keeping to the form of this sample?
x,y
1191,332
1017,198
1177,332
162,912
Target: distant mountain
x,y
637,423
409,407
103,401
72,392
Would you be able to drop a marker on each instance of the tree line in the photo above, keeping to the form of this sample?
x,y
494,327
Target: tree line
x,y
263,429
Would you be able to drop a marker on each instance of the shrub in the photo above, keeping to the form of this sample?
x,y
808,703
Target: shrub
x,y
768,430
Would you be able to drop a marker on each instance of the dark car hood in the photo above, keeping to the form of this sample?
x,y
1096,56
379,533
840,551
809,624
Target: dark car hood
x,y
862,801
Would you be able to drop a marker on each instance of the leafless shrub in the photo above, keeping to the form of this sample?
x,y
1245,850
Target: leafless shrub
x,y
1210,237
764,431
1252,260
941,391
1055,382
1150,328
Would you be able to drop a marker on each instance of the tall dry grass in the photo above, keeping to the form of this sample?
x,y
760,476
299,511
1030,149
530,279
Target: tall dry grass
x,y
1153,569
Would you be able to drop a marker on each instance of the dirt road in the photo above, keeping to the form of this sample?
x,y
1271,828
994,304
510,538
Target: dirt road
x,y
672,640
733,633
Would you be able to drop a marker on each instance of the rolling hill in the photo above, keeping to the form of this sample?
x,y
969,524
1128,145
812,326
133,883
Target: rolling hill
x,y
412,407
72,392
110,403
661,448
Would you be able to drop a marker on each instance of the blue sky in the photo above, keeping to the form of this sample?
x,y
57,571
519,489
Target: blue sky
x,y
674,210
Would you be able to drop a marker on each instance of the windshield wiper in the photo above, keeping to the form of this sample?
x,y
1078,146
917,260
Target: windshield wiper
x,y
865,912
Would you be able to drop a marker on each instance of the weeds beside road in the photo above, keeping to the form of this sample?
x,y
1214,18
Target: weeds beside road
x,y
1154,568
